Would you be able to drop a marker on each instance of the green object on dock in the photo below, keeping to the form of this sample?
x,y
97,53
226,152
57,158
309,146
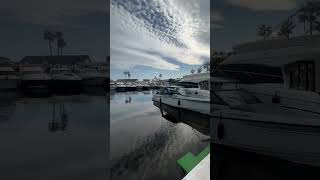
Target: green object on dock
x,y
189,161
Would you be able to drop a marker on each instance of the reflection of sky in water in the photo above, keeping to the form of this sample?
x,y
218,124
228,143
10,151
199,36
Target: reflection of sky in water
x,y
30,151
144,145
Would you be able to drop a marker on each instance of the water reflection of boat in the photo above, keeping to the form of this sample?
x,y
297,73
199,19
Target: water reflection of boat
x,y
198,121
7,105
8,78
198,166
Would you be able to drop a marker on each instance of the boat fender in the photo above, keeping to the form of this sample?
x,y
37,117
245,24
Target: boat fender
x,y
220,129
178,102
276,99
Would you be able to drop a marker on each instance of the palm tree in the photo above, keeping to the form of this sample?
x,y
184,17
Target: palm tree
x,y
125,74
128,74
61,45
160,76
264,31
309,14
199,69
192,71
286,28
206,66
59,36
47,35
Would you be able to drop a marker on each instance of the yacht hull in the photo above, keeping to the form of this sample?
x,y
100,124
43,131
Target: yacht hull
x,y
121,89
66,85
202,107
292,142
97,81
35,84
9,84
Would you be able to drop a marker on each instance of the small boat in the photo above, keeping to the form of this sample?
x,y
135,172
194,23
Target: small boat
x,y
131,87
63,79
34,78
121,87
195,99
192,99
91,76
9,78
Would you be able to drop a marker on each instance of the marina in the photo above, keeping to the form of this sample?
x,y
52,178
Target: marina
x,y
52,74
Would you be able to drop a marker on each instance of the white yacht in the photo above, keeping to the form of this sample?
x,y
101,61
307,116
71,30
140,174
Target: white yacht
x,y
241,120
194,99
64,79
190,99
9,78
91,76
34,77
285,122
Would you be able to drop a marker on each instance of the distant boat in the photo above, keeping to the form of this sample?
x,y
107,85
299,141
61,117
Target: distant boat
x,y
113,86
196,98
34,77
63,79
121,87
92,77
9,78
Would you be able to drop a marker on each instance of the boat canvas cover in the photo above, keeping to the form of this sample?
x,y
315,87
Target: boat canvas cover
x,y
196,78
276,52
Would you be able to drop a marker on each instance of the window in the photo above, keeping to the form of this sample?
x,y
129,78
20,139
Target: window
x,y
300,75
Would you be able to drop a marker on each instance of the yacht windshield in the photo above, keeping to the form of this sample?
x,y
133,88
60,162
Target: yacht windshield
x,y
170,91
238,97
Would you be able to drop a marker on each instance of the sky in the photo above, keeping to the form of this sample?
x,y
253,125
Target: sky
x,y
152,37
84,24
236,21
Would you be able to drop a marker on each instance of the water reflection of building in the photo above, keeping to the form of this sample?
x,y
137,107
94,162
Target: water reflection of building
x,y
59,119
7,105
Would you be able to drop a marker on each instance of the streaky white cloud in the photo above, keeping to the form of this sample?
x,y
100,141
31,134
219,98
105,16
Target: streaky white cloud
x,y
260,5
148,33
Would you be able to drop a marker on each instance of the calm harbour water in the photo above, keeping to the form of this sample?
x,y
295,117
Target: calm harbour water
x,y
144,144
66,137
56,137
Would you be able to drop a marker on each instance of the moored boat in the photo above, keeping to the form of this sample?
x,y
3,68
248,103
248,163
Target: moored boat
x,y
34,78
64,80
9,78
